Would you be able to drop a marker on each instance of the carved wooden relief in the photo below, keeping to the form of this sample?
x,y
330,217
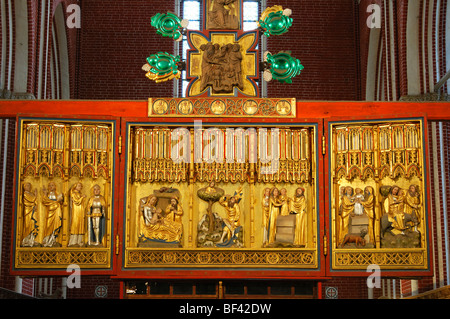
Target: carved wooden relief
x,y
224,196
378,195
223,14
64,191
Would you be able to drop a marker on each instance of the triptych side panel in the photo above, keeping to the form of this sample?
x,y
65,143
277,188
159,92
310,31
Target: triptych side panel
x,y
377,196
65,195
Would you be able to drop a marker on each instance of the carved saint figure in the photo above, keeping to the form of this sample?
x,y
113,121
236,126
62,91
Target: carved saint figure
x,y
96,213
30,227
284,199
174,211
274,211
211,188
413,205
368,204
77,209
223,14
298,207
358,198
207,64
232,222
394,207
266,212
52,201
235,65
346,207
148,208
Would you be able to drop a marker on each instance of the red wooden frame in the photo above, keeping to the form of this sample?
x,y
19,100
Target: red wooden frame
x,y
320,112
305,109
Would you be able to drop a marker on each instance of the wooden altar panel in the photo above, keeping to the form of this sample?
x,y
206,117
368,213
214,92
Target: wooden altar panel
x,y
189,260
65,167
389,156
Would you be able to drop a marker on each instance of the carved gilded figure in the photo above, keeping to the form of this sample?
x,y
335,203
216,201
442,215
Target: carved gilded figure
x,y
77,216
368,204
52,201
96,213
358,198
284,199
211,188
346,208
394,205
413,204
30,226
223,14
232,221
148,208
298,207
266,212
275,204
174,211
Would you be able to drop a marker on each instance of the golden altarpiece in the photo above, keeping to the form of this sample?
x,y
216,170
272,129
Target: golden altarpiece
x,y
64,193
378,194
223,179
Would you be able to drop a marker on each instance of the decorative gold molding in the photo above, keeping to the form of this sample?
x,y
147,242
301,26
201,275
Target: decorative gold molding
x,y
222,107
272,258
386,259
62,257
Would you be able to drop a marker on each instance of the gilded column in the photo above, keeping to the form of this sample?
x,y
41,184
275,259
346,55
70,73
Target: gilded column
x,y
65,187
377,198
191,190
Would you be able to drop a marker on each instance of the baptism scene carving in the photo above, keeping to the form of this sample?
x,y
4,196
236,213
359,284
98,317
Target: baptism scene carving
x,y
378,190
64,191
215,230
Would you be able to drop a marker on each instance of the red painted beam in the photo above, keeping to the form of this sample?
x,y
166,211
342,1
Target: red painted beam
x,y
308,109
